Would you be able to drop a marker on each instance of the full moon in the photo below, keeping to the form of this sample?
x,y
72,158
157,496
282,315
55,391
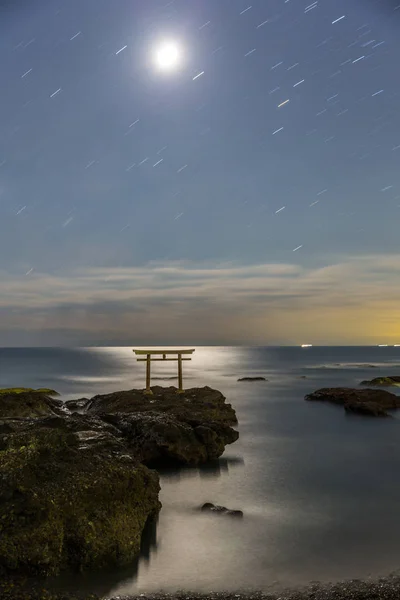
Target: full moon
x,y
168,56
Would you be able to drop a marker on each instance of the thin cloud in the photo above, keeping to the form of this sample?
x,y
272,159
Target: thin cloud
x,y
222,303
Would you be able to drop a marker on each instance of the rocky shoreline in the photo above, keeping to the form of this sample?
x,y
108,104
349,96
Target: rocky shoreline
x,y
387,588
380,589
79,482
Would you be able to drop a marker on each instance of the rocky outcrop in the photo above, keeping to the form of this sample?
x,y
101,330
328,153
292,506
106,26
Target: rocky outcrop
x,y
252,379
167,427
369,402
160,440
195,405
393,380
26,402
220,510
75,487
70,500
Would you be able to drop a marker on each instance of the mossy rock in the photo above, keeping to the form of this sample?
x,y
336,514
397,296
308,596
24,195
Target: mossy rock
x,y
383,381
65,503
46,391
27,402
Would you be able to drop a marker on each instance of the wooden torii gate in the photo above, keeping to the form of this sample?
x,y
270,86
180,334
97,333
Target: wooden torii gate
x,y
149,358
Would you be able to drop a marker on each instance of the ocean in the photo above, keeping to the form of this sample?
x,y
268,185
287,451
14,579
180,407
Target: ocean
x,y
319,489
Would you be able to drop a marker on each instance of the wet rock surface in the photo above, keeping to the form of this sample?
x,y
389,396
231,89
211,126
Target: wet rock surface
x,y
368,402
77,405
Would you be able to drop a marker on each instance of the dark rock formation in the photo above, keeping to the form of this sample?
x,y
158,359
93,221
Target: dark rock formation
x,y
167,427
221,510
162,439
70,500
252,379
370,402
75,488
393,380
194,405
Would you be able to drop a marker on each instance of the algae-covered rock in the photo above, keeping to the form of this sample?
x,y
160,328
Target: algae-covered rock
x,y
75,491
69,503
23,390
393,380
26,402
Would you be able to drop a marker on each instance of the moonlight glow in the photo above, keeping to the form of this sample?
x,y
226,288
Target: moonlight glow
x,y
168,56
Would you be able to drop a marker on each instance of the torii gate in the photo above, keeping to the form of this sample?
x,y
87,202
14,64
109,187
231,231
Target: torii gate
x,y
149,358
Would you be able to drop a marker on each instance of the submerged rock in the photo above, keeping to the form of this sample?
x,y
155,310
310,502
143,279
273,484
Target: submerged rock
x,y
366,401
222,510
393,380
252,379
369,409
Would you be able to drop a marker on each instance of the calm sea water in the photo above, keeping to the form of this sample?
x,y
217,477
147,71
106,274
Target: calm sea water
x,y
320,490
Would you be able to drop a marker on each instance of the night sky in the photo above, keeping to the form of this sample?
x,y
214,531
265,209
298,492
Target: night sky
x,y
251,195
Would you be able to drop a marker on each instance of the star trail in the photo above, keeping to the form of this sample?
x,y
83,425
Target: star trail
x,y
232,167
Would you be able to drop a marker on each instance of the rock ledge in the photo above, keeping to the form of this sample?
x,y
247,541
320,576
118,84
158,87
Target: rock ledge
x,y
369,402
